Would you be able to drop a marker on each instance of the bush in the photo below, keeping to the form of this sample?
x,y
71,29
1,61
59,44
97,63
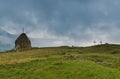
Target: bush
x,y
62,52
115,52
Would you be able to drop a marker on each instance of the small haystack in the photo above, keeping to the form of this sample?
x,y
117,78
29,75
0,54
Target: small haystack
x,y
22,43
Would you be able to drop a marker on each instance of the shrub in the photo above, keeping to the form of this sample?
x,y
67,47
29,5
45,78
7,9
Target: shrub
x,y
115,52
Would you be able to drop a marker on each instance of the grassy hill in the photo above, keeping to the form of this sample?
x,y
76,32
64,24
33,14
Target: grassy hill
x,y
94,62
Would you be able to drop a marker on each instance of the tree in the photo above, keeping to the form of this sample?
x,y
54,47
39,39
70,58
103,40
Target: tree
x,y
94,42
100,42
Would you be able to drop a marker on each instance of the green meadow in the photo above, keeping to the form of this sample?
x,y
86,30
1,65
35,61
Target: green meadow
x,y
94,62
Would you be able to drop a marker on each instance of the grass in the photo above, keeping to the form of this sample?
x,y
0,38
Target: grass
x,y
96,62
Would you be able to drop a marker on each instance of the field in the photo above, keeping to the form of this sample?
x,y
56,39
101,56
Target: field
x,y
95,62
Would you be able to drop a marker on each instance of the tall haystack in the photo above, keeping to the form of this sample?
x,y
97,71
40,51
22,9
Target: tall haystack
x,y
22,43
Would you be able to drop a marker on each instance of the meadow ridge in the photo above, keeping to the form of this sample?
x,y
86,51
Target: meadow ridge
x,y
94,62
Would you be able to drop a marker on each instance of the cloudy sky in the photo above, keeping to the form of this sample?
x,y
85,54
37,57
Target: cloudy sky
x,y
61,22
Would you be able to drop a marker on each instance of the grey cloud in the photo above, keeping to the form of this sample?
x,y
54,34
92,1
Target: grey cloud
x,y
85,20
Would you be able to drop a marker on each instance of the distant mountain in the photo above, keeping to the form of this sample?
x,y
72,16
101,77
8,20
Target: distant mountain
x,y
6,40
5,47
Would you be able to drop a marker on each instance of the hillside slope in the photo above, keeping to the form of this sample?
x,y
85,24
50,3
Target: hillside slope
x,y
96,62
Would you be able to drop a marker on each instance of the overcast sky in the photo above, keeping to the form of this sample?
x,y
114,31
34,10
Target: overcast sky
x,y
62,22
